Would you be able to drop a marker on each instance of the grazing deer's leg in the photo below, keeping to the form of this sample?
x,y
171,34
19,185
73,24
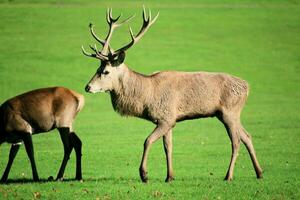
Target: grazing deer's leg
x,y
30,152
168,150
159,131
77,144
231,124
65,137
2,140
12,154
235,146
246,139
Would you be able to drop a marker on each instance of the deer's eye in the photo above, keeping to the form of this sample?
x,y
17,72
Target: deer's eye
x,y
105,72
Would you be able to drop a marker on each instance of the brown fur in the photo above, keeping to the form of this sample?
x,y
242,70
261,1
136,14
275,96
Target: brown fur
x,y
40,111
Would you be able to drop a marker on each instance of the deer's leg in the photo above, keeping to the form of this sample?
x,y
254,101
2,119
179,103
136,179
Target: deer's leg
x,y
27,139
2,140
77,144
235,146
65,137
12,154
159,131
231,123
168,147
246,139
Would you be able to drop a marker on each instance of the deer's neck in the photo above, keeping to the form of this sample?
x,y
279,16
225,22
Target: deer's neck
x,y
132,95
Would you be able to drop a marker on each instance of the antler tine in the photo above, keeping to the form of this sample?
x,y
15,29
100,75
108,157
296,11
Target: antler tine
x,y
94,48
109,17
126,20
149,16
96,55
95,36
155,18
147,22
86,53
131,33
108,14
112,22
144,14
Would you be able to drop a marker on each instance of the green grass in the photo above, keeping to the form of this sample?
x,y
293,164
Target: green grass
x,y
256,40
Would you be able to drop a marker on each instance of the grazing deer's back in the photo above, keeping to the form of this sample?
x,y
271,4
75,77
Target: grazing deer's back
x,y
67,101
41,109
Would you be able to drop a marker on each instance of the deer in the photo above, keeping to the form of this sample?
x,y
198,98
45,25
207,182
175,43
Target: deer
x,y
167,97
40,111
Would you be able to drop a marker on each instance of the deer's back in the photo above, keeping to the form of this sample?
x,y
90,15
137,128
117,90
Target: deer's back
x,y
185,95
41,110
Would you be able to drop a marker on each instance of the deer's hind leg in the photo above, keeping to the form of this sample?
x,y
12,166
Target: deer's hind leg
x,y
237,133
70,140
246,139
77,145
231,123
65,137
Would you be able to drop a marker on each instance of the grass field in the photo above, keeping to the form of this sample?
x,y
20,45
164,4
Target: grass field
x,y
256,40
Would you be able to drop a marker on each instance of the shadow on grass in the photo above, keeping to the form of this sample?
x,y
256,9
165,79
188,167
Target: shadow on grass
x,y
118,180
27,180
88,179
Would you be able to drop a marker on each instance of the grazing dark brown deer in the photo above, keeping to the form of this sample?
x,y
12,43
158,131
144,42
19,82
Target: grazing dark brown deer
x,y
165,98
40,111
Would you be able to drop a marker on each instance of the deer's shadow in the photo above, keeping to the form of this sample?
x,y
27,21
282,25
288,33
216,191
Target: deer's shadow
x,y
43,180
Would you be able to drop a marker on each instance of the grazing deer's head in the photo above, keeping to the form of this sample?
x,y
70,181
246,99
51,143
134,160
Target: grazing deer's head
x,y
110,69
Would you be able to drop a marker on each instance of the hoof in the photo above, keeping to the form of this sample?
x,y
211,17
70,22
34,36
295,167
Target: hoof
x,y
59,179
144,179
36,179
3,181
169,179
259,176
143,176
78,178
228,178
50,178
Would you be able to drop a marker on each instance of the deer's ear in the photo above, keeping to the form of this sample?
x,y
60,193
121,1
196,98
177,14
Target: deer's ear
x,y
120,59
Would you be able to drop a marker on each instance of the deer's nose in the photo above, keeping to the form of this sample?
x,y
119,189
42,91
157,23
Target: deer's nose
x,y
87,88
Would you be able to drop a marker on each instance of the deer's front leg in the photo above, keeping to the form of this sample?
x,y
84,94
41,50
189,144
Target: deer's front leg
x,y
12,154
160,130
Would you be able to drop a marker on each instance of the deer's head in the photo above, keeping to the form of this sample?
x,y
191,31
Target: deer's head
x,y
111,62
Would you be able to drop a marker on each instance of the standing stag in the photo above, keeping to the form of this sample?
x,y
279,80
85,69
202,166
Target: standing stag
x,y
165,98
40,111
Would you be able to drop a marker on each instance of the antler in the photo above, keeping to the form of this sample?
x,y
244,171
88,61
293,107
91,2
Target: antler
x,y
112,25
106,51
147,22
112,22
